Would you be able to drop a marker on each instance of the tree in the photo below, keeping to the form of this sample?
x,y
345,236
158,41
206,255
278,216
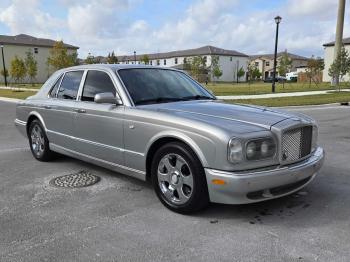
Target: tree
x,y
240,73
60,58
145,59
253,72
285,64
215,67
2,72
341,65
197,66
315,67
112,58
31,66
18,69
256,73
217,72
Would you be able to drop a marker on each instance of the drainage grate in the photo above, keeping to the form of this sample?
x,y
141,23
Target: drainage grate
x,y
79,179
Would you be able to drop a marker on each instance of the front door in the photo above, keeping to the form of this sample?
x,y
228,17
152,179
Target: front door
x,y
99,127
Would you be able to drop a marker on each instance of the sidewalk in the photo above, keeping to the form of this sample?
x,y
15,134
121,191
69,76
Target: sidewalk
x,y
18,88
309,93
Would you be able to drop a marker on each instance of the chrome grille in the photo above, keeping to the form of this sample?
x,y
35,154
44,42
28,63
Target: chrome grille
x,y
296,143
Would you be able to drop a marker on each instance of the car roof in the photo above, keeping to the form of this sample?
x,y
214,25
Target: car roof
x,y
114,67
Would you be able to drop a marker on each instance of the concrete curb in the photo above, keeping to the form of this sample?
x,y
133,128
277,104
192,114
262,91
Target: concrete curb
x,y
10,100
292,94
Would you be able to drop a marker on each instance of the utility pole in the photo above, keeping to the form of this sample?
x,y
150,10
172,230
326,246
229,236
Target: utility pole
x,y
339,34
3,64
278,21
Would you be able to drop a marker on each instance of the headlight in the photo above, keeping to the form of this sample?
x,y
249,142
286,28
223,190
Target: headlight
x,y
260,149
235,150
314,137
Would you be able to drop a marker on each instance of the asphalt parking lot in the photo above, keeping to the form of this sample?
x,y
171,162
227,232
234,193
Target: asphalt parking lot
x,y
120,218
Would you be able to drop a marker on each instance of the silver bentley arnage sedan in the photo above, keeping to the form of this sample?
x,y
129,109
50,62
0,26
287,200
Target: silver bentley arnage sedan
x,y
160,125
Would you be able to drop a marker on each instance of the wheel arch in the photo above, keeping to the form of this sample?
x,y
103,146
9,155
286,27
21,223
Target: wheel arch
x,y
32,116
164,138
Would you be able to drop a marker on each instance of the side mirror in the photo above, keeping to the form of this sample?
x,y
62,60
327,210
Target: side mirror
x,y
107,98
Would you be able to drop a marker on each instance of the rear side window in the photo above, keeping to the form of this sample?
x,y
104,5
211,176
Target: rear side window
x,y
55,87
70,85
97,82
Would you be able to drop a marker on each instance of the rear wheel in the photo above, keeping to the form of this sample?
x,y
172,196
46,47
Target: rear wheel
x,y
38,142
178,178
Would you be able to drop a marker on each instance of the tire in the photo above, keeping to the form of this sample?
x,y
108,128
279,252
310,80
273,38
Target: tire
x,y
178,178
38,142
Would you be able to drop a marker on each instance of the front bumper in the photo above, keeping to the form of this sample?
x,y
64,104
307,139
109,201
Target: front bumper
x,y
255,186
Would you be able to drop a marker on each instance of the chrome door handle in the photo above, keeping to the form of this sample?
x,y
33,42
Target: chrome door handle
x,y
80,110
47,107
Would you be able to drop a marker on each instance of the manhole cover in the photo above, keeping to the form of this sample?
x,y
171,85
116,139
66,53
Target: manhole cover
x,y
79,179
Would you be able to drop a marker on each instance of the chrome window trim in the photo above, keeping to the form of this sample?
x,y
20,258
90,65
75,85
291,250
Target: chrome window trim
x,y
59,78
161,68
64,74
84,80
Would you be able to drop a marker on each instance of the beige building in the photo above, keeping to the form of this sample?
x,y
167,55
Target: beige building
x,y
20,44
264,62
329,57
229,60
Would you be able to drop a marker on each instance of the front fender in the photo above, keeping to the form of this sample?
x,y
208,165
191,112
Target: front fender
x,y
199,144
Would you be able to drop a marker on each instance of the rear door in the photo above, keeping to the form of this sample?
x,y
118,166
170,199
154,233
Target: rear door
x,y
99,127
59,112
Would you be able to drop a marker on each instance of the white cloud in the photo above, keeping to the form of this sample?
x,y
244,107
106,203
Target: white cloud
x,y
102,26
24,16
312,7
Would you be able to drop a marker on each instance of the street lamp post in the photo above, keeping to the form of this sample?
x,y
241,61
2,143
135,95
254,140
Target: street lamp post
x,y
3,64
135,57
278,21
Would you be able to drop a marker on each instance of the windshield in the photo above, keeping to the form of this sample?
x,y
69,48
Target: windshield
x,y
153,85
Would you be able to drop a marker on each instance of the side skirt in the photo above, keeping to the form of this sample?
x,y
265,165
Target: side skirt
x,y
100,162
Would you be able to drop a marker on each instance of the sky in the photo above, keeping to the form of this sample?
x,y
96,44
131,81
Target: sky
x,y
151,26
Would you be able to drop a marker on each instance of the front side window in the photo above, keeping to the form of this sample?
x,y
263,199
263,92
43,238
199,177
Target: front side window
x,y
97,82
149,86
70,85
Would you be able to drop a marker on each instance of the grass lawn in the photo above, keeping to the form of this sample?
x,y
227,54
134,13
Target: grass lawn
x,y
334,97
222,89
16,94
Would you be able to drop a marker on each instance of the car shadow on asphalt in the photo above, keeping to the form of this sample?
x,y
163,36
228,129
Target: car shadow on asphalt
x,y
298,206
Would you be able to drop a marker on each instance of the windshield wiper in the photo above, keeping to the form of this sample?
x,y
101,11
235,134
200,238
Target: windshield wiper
x,y
197,97
158,100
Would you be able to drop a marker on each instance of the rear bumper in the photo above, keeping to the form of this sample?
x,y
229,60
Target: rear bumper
x,y
21,127
255,186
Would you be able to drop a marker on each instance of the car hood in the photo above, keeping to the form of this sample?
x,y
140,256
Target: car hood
x,y
246,115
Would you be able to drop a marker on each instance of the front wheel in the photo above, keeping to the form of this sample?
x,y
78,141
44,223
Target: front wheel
x,y
178,178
